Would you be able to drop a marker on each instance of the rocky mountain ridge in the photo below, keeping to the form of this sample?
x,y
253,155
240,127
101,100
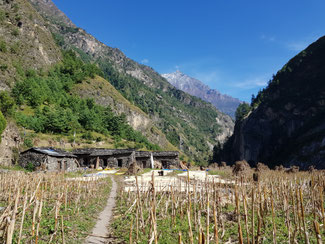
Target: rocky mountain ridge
x,y
195,87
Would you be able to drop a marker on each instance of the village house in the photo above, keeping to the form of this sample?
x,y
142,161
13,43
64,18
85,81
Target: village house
x,y
101,157
58,160
164,159
117,158
48,159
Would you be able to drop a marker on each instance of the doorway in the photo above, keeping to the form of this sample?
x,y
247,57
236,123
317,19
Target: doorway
x,y
120,163
164,164
105,163
144,164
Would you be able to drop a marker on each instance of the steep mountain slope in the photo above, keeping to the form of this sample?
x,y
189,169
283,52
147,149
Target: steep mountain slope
x,y
189,123
25,42
287,124
106,95
223,102
27,51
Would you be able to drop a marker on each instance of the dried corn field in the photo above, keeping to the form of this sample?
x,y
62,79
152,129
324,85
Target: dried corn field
x,y
48,208
278,208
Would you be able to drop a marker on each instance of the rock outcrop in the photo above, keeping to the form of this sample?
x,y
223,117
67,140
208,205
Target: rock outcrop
x,y
10,144
26,42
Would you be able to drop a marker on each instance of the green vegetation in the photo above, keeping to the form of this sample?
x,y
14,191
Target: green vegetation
x,y
14,168
3,124
7,103
3,46
55,110
2,15
3,67
242,111
59,39
15,32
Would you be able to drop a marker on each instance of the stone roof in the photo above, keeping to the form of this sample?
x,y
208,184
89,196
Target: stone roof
x,y
165,154
142,154
101,151
51,152
156,154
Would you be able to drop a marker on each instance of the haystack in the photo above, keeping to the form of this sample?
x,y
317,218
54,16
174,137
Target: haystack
x,y
240,167
133,169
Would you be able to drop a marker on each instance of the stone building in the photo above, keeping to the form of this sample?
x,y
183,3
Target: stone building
x,y
165,159
48,159
117,158
58,160
100,157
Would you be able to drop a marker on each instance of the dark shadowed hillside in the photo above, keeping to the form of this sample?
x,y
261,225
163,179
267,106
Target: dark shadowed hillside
x,y
287,121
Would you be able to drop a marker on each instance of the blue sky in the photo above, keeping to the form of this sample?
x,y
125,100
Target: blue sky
x,y
232,46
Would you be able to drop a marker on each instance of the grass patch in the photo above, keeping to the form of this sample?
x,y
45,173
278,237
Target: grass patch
x,y
222,173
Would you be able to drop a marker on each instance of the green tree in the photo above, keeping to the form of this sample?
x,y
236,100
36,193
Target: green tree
x,y
6,103
242,110
3,124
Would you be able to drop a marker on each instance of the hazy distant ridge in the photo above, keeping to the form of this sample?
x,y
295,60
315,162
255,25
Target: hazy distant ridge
x,y
223,102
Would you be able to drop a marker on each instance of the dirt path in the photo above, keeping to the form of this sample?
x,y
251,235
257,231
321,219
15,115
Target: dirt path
x,y
100,232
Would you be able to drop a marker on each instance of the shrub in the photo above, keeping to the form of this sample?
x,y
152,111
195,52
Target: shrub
x,y
28,142
87,136
242,110
3,46
3,67
3,124
7,103
30,167
15,32
14,49
2,15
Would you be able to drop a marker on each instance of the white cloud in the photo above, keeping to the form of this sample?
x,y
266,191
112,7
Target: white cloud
x,y
145,61
268,38
257,82
297,46
300,45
